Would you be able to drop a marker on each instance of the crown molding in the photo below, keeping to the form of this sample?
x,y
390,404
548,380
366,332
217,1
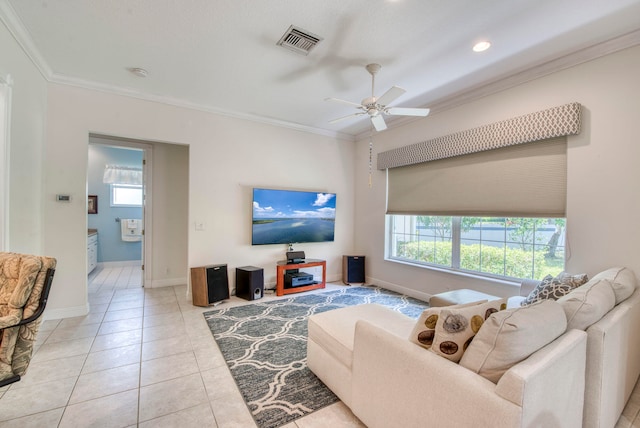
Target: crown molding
x,y
17,29
176,102
523,75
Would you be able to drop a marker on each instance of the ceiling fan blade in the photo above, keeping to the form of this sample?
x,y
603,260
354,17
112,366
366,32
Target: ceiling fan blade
x,y
346,117
378,123
390,95
399,111
338,100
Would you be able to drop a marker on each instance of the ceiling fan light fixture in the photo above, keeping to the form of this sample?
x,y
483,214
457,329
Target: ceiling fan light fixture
x,y
377,107
481,46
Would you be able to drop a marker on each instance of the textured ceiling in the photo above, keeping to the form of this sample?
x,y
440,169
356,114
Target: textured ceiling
x,y
221,55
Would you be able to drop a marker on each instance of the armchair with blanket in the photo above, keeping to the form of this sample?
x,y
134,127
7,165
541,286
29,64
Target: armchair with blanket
x,y
25,281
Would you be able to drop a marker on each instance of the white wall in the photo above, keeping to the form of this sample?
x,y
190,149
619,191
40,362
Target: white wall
x,y
170,208
28,115
603,198
227,158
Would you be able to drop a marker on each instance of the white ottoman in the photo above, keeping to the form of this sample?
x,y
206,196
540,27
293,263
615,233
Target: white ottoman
x,y
331,338
459,297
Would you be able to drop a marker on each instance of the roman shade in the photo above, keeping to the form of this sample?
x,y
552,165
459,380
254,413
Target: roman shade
x,y
516,167
527,180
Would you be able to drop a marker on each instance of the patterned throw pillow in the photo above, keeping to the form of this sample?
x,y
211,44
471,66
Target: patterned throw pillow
x,y
456,328
555,288
424,330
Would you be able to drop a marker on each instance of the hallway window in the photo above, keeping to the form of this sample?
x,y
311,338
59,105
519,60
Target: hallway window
x,y
126,195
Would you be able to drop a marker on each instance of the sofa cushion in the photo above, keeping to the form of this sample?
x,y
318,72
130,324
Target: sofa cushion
x,y
334,330
510,336
554,288
456,327
424,330
587,304
623,281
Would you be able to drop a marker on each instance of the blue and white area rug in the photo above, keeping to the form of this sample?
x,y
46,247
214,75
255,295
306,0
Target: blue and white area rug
x,y
265,346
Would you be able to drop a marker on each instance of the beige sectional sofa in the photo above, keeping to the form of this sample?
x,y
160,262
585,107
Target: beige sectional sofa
x,y
581,378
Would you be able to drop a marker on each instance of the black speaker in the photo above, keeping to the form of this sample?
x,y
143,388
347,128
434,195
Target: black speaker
x,y
249,282
353,269
217,283
209,284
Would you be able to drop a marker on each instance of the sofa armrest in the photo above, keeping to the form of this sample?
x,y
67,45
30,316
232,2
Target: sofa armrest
x,y
398,383
541,384
527,286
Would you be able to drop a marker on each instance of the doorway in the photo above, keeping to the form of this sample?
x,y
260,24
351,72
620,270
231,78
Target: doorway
x,y
117,236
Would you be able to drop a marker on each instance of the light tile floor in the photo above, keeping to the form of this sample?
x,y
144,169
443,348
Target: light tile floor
x,y
146,358
142,357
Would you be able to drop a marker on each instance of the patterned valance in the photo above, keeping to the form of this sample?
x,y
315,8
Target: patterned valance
x,y
551,123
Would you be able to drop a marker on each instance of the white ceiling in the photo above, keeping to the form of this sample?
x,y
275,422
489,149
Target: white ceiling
x,y
221,55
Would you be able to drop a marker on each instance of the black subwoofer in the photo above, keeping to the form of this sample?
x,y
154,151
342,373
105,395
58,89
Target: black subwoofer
x,y
249,282
353,269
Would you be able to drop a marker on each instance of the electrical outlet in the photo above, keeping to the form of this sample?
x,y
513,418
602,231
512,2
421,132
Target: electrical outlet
x,y
199,225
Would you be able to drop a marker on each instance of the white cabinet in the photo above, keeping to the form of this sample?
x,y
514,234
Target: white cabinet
x,y
92,252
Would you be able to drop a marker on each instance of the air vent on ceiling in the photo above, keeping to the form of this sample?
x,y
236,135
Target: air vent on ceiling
x,y
299,40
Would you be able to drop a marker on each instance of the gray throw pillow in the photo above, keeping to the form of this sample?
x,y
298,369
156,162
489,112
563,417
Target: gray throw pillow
x,y
555,288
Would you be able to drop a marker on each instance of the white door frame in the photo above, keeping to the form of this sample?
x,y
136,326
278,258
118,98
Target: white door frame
x,y
5,135
147,183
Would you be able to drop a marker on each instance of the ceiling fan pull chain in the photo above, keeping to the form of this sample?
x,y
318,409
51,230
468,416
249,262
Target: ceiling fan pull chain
x,y
370,152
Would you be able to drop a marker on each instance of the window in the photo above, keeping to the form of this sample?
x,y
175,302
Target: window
x,y
502,247
126,195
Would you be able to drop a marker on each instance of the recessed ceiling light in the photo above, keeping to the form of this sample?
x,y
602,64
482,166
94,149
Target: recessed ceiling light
x,y
140,72
481,46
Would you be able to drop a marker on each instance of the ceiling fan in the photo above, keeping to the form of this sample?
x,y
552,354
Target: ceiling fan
x,y
377,107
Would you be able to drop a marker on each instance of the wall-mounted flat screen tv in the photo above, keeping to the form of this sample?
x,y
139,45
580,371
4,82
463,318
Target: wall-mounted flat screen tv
x,y
290,216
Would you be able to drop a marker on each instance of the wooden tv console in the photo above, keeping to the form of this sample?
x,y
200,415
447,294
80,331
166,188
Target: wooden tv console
x,y
283,266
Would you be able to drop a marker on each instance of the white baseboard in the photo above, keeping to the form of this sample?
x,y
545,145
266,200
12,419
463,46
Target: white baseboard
x,y
334,278
168,282
56,314
123,263
399,289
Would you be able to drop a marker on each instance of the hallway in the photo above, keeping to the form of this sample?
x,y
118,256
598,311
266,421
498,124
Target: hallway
x,y
104,279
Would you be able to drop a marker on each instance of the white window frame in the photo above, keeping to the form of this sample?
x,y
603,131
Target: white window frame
x,y
115,186
456,243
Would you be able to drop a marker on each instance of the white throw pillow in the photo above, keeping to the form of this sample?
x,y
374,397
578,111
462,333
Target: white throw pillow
x,y
510,336
587,304
623,281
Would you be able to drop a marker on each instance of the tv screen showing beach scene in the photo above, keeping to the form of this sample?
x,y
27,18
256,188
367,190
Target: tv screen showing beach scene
x,y
291,216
